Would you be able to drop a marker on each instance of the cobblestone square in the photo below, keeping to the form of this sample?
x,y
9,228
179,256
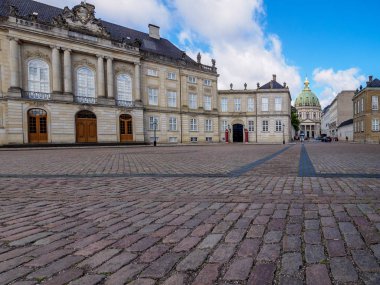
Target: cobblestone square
x,y
201,214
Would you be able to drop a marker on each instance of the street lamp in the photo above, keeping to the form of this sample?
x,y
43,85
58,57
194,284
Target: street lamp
x,y
155,122
283,133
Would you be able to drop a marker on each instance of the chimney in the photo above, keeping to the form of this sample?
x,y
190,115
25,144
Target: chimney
x,y
274,77
154,31
370,78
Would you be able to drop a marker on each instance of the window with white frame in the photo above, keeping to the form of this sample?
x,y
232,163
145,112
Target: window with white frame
x,y
85,82
278,104
153,96
251,126
207,82
362,105
375,103
124,87
207,103
250,104
193,104
208,125
362,126
265,126
193,124
237,104
172,99
152,72
208,139
224,105
193,139
173,139
172,75
38,76
172,124
224,126
375,125
278,126
264,104
192,79
153,123
354,108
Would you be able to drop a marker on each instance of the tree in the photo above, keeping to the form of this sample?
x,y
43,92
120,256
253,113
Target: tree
x,y
295,120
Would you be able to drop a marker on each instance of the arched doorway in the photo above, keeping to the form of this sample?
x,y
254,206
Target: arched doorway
x,y
37,126
86,127
126,131
238,133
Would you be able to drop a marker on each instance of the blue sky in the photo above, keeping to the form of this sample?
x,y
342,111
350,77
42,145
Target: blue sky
x,y
335,43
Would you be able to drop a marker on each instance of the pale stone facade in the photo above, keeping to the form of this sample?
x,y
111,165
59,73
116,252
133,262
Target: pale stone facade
x,y
262,113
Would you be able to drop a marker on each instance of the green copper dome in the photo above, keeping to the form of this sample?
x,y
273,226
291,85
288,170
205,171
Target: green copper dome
x,y
306,97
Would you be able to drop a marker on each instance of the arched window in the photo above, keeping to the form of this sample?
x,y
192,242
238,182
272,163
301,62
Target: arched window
x,y
85,82
124,87
38,76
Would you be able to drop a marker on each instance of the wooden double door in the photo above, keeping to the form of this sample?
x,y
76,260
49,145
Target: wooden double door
x,y
37,126
86,127
126,130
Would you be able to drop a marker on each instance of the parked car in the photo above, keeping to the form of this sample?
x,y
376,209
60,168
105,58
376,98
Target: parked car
x,y
318,138
326,139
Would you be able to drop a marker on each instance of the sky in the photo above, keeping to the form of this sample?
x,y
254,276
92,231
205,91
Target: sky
x,y
335,43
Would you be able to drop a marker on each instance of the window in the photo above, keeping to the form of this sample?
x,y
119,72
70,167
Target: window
x,y
193,104
362,126
193,139
264,105
375,103
153,96
192,79
152,72
172,99
208,139
38,76
250,105
300,115
172,124
314,115
251,126
153,122
237,102
207,103
278,104
172,75
362,105
208,125
278,126
265,126
207,82
307,115
224,104
375,125
224,126
86,82
173,139
124,87
193,125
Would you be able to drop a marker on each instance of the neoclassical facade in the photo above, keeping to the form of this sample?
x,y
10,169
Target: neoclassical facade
x,y
260,115
309,112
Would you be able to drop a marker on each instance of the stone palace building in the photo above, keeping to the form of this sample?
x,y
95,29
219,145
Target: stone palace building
x,y
69,77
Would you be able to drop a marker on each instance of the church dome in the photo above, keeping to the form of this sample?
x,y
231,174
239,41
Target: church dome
x,y
306,97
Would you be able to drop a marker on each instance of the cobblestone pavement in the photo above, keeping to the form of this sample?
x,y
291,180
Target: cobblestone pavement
x,y
222,214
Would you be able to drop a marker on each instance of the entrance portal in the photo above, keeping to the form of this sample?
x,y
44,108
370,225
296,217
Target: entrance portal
x,y
238,133
126,131
86,127
37,126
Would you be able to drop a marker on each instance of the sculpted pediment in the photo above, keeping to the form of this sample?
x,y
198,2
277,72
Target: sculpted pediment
x,y
81,18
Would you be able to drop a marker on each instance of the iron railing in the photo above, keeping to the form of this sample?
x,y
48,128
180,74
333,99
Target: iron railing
x,y
35,95
124,103
84,100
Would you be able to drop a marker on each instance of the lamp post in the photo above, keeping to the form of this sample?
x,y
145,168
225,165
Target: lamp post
x,y
155,129
283,133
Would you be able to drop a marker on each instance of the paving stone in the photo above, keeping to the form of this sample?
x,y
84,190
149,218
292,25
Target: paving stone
x,y
177,278
143,281
162,266
88,280
143,244
249,248
293,229
311,224
365,261
288,280
235,236
65,276
312,237
269,252
376,250
262,274
291,243
256,231
99,258
193,261
291,263
124,274
210,241
343,270
336,248
222,253
273,237
331,233
317,274
207,276
116,262
314,253
239,269
371,278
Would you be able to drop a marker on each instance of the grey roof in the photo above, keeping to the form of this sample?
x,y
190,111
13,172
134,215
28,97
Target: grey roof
x,y
346,123
272,85
46,13
374,83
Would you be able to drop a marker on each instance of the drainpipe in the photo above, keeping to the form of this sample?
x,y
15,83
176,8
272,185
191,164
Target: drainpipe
x,y
257,117
180,102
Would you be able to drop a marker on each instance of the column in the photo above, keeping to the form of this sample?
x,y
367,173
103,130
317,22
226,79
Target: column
x,y
15,62
109,78
68,82
100,73
56,69
137,82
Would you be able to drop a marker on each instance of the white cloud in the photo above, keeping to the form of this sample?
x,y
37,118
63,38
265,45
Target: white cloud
x,y
333,82
236,39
